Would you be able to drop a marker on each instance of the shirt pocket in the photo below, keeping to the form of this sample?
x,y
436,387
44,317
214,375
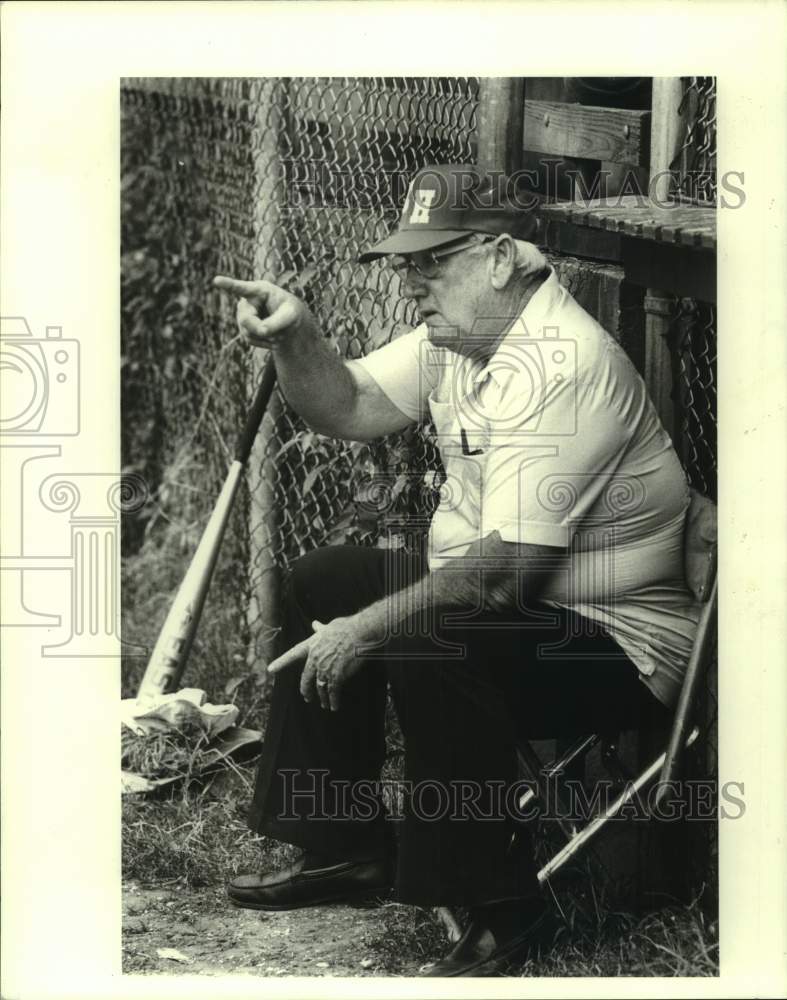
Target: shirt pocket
x,y
444,419
462,457
465,436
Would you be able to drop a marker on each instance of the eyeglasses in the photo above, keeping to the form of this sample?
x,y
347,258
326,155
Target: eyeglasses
x,y
427,263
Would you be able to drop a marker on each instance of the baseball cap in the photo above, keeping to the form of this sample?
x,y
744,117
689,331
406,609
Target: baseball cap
x,y
449,201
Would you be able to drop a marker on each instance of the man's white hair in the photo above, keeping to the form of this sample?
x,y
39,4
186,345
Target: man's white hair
x,y
529,259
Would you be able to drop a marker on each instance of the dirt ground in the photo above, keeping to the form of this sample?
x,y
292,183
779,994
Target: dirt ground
x,y
211,937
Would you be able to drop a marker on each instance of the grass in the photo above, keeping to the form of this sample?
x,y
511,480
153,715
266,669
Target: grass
x,y
675,941
408,932
196,835
678,940
219,659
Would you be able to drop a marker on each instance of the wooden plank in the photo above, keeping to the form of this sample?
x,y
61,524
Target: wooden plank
x,y
680,270
588,132
650,228
707,240
683,228
617,219
585,176
684,216
595,220
559,210
626,205
680,225
671,234
580,241
610,216
701,227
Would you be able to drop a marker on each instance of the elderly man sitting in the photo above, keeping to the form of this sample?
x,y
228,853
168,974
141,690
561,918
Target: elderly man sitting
x,y
552,601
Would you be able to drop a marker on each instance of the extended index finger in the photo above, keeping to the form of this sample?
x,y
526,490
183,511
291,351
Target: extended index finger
x,y
259,289
298,652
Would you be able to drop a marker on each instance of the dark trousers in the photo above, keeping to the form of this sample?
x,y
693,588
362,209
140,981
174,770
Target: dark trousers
x,y
465,687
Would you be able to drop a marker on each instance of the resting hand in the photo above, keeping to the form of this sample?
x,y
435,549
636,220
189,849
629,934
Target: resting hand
x,y
266,314
331,660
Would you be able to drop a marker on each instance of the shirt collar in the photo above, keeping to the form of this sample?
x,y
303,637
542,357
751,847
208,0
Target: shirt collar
x,y
528,323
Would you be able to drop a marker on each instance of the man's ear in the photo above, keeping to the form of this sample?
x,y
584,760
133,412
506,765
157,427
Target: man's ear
x,y
503,261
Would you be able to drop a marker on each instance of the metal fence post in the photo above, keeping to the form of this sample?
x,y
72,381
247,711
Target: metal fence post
x,y
263,613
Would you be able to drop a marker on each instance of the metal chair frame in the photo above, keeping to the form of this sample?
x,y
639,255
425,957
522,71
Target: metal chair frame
x,y
700,557
700,561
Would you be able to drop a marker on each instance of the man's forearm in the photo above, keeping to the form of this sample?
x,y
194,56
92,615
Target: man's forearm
x,y
315,382
312,377
487,578
442,589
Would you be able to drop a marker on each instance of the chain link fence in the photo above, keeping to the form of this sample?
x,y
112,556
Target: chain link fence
x,y
692,339
693,343
288,179
285,179
693,347
694,166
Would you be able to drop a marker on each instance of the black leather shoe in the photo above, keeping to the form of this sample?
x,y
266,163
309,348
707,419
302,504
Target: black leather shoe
x,y
298,885
480,952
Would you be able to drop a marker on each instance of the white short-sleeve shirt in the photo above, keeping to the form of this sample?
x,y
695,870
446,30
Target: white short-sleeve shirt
x,y
554,441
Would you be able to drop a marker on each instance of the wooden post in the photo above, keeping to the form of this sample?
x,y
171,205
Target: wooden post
x,y
501,118
663,848
658,356
664,144
665,134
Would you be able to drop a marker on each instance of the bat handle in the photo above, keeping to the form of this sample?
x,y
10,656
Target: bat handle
x,y
257,411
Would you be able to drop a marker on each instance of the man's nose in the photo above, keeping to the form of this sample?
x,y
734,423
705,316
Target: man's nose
x,y
413,284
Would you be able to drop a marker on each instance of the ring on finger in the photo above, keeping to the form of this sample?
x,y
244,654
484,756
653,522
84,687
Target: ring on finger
x,y
322,683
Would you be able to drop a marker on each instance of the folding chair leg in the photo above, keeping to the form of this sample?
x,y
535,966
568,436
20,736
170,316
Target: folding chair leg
x,y
541,776
577,843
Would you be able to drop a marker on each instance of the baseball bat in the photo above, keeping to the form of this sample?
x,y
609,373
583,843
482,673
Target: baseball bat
x,y
170,654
